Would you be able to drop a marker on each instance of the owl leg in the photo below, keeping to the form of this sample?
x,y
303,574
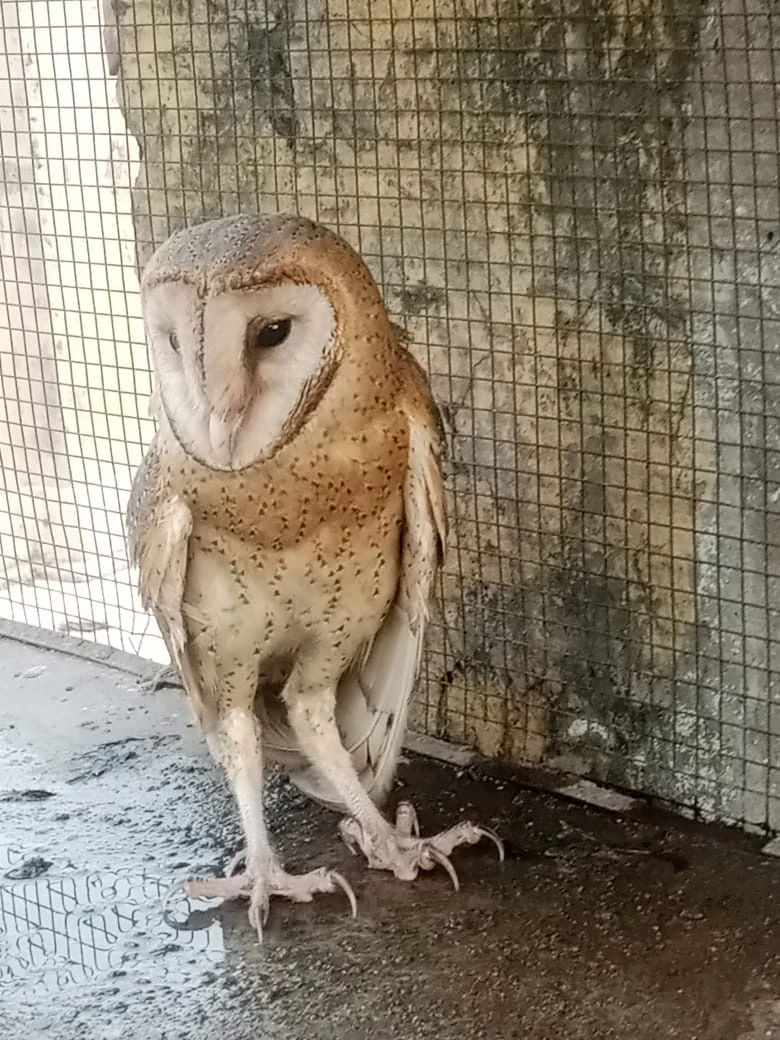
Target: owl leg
x,y
397,848
162,678
237,740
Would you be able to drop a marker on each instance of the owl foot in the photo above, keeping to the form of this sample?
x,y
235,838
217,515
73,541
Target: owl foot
x,y
271,880
402,850
162,678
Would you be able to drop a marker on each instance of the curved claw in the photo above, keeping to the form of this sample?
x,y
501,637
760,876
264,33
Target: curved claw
x,y
486,832
444,861
169,892
235,862
258,915
346,888
350,840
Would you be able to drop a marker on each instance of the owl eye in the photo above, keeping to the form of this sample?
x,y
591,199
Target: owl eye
x,y
271,334
173,339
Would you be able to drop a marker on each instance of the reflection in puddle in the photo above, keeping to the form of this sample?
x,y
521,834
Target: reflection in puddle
x,y
71,928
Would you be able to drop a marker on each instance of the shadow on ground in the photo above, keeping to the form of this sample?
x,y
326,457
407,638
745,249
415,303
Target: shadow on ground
x,y
595,927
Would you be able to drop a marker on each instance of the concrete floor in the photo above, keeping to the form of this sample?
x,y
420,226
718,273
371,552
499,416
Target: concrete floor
x,y
595,927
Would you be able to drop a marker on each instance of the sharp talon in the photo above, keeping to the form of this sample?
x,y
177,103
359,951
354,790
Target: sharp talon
x,y
257,920
352,843
415,822
487,833
443,861
239,858
169,892
347,889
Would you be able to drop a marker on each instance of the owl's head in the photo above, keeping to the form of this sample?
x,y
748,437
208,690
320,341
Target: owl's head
x,y
248,320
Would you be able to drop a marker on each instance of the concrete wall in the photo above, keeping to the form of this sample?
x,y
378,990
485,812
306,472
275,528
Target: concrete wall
x,y
733,206
546,193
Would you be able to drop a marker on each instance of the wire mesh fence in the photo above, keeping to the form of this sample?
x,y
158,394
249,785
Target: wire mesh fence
x,y
573,207
68,931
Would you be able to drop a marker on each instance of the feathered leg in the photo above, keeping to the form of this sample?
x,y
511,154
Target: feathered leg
x,y
397,848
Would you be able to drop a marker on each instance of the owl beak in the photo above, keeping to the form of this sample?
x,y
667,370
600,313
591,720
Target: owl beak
x,y
222,434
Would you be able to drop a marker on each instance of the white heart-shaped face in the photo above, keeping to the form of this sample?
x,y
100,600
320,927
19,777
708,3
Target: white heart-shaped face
x,y
233,368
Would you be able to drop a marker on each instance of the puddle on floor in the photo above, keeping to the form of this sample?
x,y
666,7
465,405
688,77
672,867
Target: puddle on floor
x,y
72,927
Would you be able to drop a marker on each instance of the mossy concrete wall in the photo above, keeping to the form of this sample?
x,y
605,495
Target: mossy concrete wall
x,y
545,193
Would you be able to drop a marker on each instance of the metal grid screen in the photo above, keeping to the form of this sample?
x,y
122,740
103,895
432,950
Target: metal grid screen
x,y
572,205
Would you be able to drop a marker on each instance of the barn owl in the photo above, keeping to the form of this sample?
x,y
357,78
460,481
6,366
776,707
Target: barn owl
x,y
288,523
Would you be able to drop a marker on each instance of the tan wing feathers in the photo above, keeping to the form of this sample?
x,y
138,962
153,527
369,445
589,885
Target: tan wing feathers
x,y
159,528
424,524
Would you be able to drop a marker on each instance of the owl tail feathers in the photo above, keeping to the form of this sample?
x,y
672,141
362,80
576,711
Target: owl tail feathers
x,y
371,710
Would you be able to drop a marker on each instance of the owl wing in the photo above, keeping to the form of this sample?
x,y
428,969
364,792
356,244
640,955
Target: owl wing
x,y
159,525
373,698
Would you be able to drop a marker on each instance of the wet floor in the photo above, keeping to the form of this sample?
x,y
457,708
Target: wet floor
x,y
595,927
